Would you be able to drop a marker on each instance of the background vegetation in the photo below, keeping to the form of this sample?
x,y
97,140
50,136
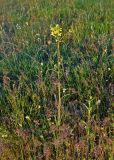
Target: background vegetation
x,y
28,80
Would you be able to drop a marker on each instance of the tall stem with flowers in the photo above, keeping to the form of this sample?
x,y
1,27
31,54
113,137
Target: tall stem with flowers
x,y
56,32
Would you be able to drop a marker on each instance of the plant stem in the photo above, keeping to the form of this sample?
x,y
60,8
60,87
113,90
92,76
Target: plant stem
x,y
59,85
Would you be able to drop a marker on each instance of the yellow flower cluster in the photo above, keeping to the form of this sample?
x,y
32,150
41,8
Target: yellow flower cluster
x,y
56,31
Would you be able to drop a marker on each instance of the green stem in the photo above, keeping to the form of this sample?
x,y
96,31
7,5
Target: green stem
x,y
59,85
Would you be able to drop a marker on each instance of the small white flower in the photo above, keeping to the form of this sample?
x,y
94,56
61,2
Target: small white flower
x,y
54,65
39,39
41,64
98,102
90,97
109,69
18,26
64,90
49,119
37,34
105,50
27,23
92,27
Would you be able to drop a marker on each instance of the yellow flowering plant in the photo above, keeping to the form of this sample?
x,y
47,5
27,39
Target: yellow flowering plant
x,y
56,32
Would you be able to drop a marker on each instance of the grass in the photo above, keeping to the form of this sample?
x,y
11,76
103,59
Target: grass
x,y
42,85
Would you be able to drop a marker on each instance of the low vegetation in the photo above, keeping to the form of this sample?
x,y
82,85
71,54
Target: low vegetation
x,y
56,79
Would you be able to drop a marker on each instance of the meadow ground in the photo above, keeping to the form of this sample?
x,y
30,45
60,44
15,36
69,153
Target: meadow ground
x,y
56,79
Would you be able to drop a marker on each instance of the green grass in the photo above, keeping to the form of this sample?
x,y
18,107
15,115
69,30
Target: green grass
x,y
29,82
